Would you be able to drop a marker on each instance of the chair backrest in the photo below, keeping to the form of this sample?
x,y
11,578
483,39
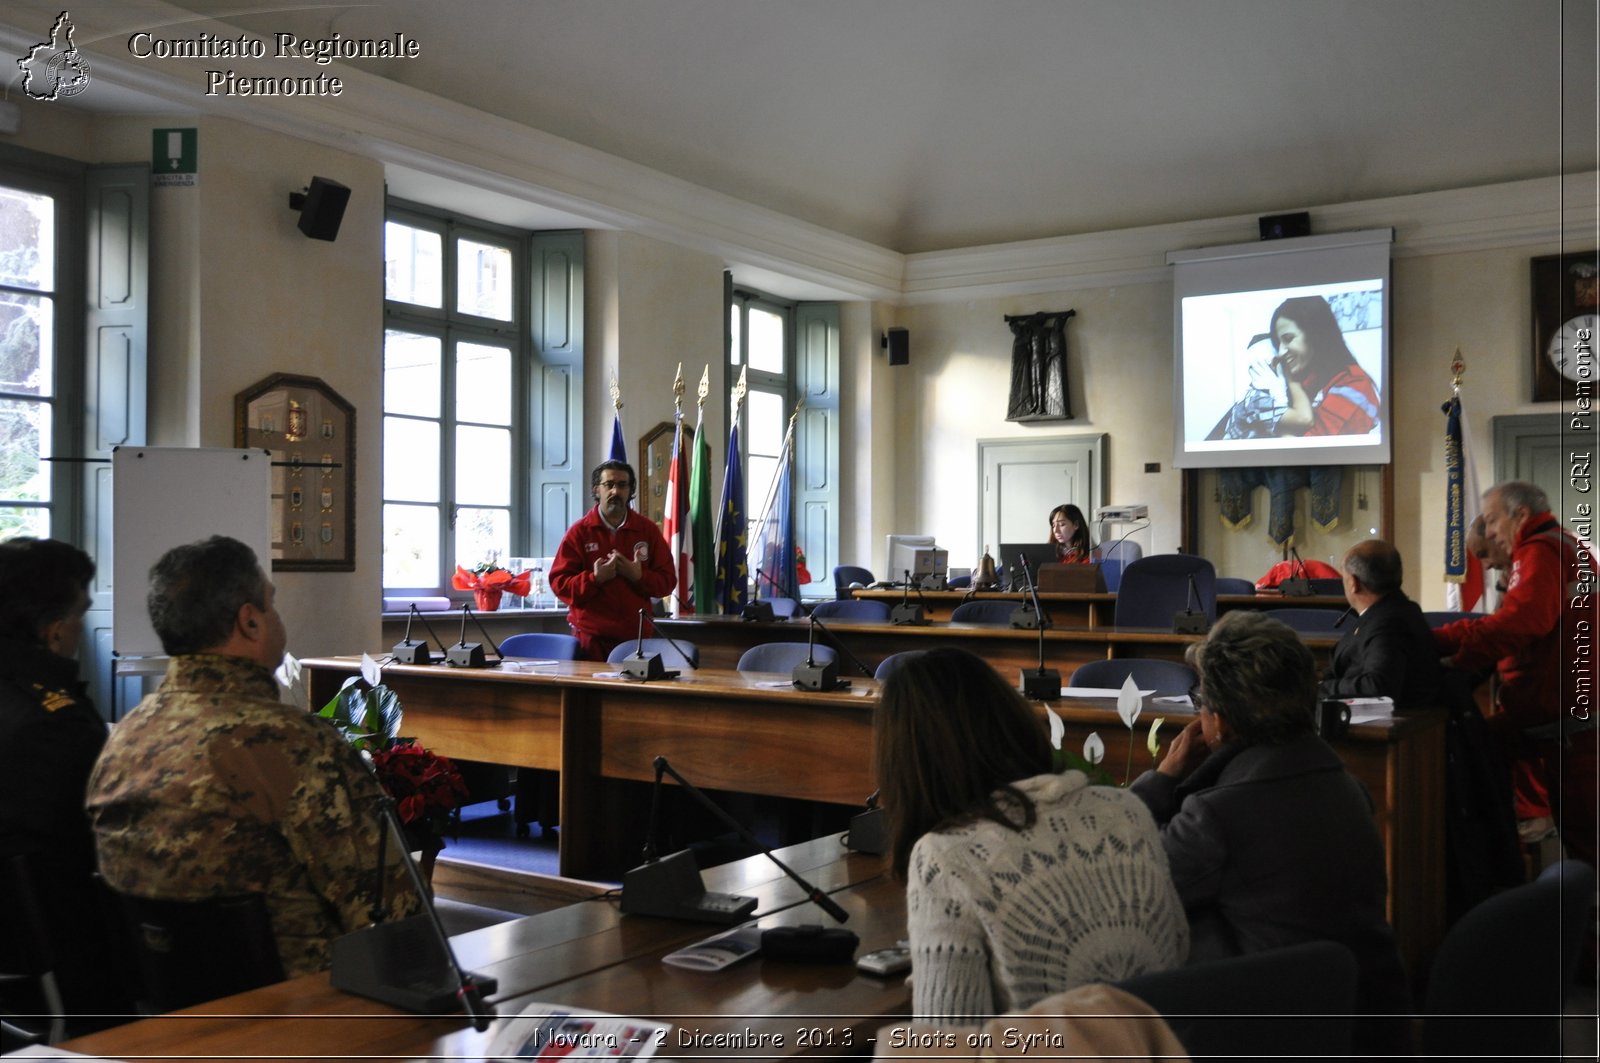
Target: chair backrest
x,y
541,644
782,608
675,653
1111,572
1149,673
1224,1009
860,610
189,952
844,575
995,611
1442,617
781,656
1235,585
1155,589
887,666
1125,550
1308,620
1512,955
27,954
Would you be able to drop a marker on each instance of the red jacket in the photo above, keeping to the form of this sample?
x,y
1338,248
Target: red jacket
x,y
1346,405
1548,612
610,610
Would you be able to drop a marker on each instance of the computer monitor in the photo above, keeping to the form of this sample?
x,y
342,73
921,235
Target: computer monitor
x,y
1036,553
928,564
902,554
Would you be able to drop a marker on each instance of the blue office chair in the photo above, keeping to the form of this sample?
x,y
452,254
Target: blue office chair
x,y
1229,1009
1441,617
1235,585
856,610
783,608
781,656
844,575
1502,973
957,583
1308,621
1125,551
993,611
1154,589
1111,572
1149,673
541,644
887,666
675,653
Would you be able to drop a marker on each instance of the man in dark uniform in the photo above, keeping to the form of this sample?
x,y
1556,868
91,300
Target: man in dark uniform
x,y
1388,650
51,734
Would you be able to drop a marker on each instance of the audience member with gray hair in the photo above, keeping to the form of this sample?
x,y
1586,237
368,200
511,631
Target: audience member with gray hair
x,y
1271,841
1387,648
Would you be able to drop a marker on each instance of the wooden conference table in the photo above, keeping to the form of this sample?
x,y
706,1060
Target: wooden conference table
x,y
752,733
586,955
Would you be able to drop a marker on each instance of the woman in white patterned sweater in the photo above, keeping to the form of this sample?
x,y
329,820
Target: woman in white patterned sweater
x,y
1020,883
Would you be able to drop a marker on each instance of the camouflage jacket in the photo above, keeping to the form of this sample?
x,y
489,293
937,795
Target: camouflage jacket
x,y
213,787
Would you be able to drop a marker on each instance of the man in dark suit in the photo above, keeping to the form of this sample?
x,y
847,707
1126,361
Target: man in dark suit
x,y
1389,650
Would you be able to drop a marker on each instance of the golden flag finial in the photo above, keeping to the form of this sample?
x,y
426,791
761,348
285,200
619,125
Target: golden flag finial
x,y
1458,369
705,388
678,389
739,390
616,391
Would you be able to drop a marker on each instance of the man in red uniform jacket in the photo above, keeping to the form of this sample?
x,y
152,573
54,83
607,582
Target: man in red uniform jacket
x,y
610,564
1542,640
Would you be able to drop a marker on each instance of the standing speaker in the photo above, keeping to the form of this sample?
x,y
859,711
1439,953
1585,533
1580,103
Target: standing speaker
x,y
898,340
321,208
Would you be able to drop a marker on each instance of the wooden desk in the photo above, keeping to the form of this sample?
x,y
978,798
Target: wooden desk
x,y
741,733
588,955
1068,609
722,640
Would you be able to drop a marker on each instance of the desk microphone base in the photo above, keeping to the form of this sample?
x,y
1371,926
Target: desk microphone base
x,y
1041,684
672,889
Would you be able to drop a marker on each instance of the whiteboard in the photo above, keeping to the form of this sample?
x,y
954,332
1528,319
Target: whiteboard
x,y
163,497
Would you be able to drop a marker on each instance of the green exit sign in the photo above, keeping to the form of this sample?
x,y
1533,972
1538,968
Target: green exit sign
x,y
174,156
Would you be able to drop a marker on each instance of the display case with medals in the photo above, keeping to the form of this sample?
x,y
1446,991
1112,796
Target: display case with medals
x,y
310,431
1566,320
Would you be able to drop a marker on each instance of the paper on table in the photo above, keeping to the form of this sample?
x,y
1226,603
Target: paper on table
x,y
1365,710
524,664
1097,692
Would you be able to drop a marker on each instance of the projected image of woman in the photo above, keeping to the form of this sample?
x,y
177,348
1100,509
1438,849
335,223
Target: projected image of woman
x,y
1329,394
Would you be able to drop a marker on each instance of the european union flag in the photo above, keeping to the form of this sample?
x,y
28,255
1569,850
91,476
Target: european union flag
x,y
733,572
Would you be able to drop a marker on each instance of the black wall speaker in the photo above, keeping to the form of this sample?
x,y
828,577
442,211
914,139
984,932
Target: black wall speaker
x,y
1282,226
898,341
321,208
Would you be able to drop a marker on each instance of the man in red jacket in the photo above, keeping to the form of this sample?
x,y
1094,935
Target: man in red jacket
x,y
1542,641
610,564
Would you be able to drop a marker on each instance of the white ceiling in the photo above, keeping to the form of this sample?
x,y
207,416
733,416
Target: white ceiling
x,y
924,125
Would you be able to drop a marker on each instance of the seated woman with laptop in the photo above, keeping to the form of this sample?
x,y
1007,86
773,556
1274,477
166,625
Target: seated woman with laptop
x,y
1020,882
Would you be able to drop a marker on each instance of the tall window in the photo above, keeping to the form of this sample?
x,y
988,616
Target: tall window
x,y
30,317
763,335
454,362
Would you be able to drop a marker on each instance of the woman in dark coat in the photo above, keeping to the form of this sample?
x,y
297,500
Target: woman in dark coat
x,y
1270,840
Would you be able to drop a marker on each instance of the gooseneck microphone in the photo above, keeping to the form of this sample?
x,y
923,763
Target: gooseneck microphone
x,y
466,654
1043,684
408,963
641,667
1190,621
407,652
838,643
758,609
813,893
905,612
1297,586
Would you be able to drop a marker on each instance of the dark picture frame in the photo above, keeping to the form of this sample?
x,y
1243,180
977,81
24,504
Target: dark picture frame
x,y
310,430
655,461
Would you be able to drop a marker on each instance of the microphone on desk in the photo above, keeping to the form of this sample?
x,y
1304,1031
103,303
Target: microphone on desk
x,y
1028,616
1041,684
905,612
677,891
833,637
466,654
868,833
638,665
407,652
1190,621
1297,586
408,963
1342,616
808,674
758,609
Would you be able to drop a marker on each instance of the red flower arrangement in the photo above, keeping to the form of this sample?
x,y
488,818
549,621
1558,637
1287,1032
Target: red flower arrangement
x,y
425,786
488,581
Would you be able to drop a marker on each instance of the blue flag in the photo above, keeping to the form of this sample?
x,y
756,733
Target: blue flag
x,y
773,547
619,449
733,572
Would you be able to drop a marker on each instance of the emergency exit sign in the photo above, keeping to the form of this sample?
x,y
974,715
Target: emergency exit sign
x,y
174,157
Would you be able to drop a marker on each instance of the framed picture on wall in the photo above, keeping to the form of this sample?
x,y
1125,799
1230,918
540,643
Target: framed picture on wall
x,y
655,448
1566,320
311,433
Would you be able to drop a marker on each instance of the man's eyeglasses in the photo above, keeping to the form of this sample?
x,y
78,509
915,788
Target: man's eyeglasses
x,y
613,485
